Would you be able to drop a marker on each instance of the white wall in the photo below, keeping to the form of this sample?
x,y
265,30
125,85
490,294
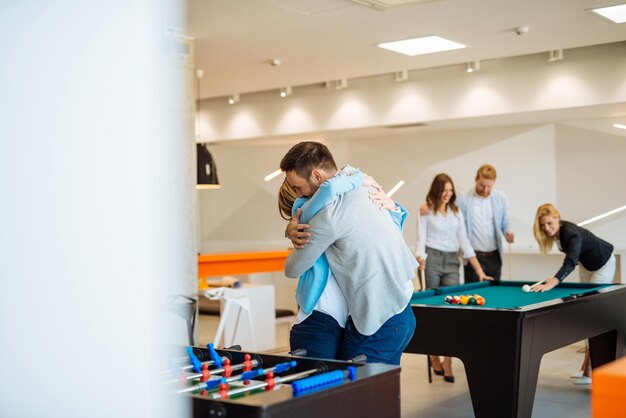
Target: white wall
x,y
96,220
535,163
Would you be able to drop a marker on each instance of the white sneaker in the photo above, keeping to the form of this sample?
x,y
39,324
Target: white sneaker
x,y
583,381
577,375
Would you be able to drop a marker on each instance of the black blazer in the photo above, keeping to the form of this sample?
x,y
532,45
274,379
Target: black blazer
x,y
580,245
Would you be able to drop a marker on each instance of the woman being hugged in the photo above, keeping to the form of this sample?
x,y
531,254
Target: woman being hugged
x,y
441,236
323,309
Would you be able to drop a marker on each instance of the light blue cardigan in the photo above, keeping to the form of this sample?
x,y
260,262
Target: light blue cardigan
x,y
313,282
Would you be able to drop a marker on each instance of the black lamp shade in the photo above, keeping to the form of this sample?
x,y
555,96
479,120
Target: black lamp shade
x,y
207,170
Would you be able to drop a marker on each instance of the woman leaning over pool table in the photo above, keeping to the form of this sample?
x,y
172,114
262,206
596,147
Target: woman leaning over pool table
x,y
597,262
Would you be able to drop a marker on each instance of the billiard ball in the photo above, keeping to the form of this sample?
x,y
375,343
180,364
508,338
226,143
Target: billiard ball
x,y
526,288
448,299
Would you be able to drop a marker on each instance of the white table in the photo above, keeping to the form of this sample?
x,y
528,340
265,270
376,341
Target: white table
x,y
247,317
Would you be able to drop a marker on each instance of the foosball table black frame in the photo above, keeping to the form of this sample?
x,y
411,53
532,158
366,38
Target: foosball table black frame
x,y
374,393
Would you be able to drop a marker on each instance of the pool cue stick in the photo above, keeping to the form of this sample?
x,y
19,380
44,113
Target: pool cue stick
x,y
510,263
420,273
538,283
422,280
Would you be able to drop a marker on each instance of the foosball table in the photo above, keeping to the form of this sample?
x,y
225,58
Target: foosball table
x,y
233,383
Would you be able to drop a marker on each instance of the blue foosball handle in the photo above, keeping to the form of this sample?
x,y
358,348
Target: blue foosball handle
x,y
217,359
318,382
197,366
213,384
281,367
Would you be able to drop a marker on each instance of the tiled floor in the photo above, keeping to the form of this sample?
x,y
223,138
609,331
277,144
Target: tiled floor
x,y
556,395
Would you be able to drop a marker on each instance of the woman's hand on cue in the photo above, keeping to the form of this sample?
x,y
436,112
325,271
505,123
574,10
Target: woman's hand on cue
x,y
545,285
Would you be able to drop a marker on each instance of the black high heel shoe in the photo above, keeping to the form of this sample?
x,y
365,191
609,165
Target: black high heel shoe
x,y
437,372
449,379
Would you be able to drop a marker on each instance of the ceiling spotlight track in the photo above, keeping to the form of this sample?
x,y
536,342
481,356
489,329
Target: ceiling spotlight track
x,y
472,66
555,55
401,76
337,84
285,91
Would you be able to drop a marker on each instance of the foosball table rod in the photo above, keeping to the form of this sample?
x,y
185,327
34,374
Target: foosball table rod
x,y
321,381
245,376
247,365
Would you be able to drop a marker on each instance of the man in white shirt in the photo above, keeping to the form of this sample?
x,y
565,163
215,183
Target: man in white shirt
x,y
486,213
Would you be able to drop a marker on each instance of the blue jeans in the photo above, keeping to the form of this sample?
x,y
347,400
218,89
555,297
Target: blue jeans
x,y
385,345
320,335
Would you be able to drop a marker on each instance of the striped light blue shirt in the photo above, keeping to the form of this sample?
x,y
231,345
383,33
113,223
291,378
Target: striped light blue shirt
x,y
443,233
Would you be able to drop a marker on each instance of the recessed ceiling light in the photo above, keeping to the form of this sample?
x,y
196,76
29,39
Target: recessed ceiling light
x,y
423,45
615,13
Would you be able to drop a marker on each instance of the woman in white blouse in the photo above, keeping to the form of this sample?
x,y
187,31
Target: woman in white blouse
x,y
441,237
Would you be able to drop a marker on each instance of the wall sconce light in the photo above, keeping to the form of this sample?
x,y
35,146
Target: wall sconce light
x,y
472,66
207,170
555,55
401,76
395,188
285,91
233,98
602,216
272,175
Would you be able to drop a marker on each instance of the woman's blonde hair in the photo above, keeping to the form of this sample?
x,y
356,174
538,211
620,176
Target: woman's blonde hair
x,y
545,242
286,196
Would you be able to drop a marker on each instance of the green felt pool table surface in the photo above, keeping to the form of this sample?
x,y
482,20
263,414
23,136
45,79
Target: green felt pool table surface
x,y
503,294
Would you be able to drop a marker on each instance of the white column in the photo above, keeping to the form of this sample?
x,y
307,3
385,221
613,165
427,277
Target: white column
x,y
96,206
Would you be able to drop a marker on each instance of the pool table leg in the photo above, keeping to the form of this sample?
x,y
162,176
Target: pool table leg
x,y
502,386
605,348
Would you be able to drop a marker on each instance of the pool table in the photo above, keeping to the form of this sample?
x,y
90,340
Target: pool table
x,y
501,343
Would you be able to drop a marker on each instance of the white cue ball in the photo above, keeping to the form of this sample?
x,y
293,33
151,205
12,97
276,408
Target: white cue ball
x,y
526,288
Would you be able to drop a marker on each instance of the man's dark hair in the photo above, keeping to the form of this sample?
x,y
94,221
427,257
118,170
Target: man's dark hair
x,y
306,156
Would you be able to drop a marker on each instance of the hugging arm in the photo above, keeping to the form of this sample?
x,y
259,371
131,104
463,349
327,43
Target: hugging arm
x,y
324,236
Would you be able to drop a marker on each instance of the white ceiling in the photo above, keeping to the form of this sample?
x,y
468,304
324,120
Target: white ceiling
x,y
322,40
